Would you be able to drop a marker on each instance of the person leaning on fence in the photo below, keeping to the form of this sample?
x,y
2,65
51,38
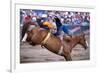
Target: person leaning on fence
x,y
27,24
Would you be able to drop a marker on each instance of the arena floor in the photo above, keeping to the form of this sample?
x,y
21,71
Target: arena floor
x,y
33,54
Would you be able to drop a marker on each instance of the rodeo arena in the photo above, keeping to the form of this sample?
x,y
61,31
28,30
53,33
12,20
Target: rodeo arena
x,y
51,36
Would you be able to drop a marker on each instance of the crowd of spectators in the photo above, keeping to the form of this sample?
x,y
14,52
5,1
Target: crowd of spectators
x,y
66,17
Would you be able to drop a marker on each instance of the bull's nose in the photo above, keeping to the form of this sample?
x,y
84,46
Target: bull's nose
x,y
86,47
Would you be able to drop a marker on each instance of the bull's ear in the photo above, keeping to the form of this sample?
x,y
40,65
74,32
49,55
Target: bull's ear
x,y
67,38
82,34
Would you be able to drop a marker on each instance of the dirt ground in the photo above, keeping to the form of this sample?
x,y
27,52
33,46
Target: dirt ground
x,y
32,54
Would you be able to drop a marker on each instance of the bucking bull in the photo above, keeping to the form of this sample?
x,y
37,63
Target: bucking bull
x,y
63,47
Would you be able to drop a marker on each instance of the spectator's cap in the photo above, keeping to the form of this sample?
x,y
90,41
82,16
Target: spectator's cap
x,y
66,13
44,15
28,17
79,13
34,19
